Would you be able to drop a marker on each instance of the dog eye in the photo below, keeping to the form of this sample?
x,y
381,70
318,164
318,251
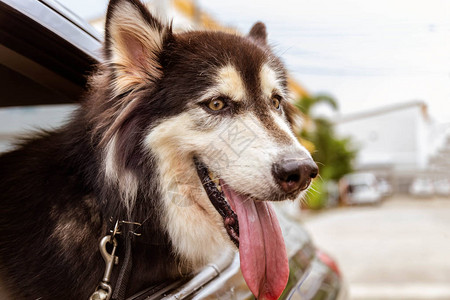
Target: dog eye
x,y
216,104
276,100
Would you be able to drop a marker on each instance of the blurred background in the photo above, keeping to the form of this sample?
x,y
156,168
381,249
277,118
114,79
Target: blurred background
x,y
372,79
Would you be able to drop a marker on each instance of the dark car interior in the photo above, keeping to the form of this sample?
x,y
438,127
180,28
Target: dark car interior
x,y
42,70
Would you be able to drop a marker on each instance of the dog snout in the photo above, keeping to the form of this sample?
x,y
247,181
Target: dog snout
x,y
294,173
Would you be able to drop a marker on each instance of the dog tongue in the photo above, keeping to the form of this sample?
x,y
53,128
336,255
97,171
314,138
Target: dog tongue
x,y
262,251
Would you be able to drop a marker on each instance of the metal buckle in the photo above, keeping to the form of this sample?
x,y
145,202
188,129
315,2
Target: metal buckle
x,y
118,225
104,290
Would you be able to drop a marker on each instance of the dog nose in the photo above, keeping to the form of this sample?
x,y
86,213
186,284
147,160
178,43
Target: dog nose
x,y
294,173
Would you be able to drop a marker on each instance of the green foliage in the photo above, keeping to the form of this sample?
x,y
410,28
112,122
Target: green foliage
x,y
316,195
305,104
334,155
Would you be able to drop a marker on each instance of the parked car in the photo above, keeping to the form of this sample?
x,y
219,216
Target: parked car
x,y
361,188
385,187
46,52
422,187
442,187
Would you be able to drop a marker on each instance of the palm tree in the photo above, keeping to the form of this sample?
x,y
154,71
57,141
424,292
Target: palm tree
x,y
333,154
306,103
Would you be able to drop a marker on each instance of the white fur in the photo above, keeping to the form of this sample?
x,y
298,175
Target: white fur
x,y
269,81
126,181
189,214
230,83
250,152
110,160
295,146
193,224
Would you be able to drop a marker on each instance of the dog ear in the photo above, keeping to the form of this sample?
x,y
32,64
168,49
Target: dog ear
x,y
258,33
134,40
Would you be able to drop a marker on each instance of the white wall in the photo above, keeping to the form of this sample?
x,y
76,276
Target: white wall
x,y
397,138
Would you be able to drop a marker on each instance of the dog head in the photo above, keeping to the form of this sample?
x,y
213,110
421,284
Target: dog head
x,y
209,114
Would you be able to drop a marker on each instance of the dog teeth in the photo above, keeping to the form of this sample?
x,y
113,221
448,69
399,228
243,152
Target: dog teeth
x,y
214,178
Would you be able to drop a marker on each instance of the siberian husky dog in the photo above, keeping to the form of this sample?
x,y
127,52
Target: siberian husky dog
x,y
188,134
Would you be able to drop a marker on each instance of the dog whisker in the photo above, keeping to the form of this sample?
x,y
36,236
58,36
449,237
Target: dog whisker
x,y
321,178
320,163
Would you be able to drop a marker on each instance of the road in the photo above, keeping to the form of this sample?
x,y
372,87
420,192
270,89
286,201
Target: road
x,y
397,250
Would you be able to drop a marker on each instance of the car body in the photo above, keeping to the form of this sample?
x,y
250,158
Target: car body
x,y
384,187
422,187
442,187
361,188
46,53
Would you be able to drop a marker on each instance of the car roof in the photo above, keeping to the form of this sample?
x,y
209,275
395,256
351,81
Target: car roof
x,y
61,21
47,43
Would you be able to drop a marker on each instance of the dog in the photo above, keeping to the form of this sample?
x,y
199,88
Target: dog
x,y
189,135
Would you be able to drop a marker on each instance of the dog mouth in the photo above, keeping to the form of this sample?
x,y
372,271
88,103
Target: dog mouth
x,y
253,227
213,188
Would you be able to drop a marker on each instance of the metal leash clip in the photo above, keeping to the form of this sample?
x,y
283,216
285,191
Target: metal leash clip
x,y
104,290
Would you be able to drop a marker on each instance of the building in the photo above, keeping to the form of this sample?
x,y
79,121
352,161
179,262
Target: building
x,y
397,142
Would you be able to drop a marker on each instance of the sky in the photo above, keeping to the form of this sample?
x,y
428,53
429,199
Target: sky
x,y
367,54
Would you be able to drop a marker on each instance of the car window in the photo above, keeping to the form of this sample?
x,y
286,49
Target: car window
x,y
18,89
41,73
21,121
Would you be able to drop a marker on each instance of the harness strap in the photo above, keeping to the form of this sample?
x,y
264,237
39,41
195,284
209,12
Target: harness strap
x,y
104,289
125,271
